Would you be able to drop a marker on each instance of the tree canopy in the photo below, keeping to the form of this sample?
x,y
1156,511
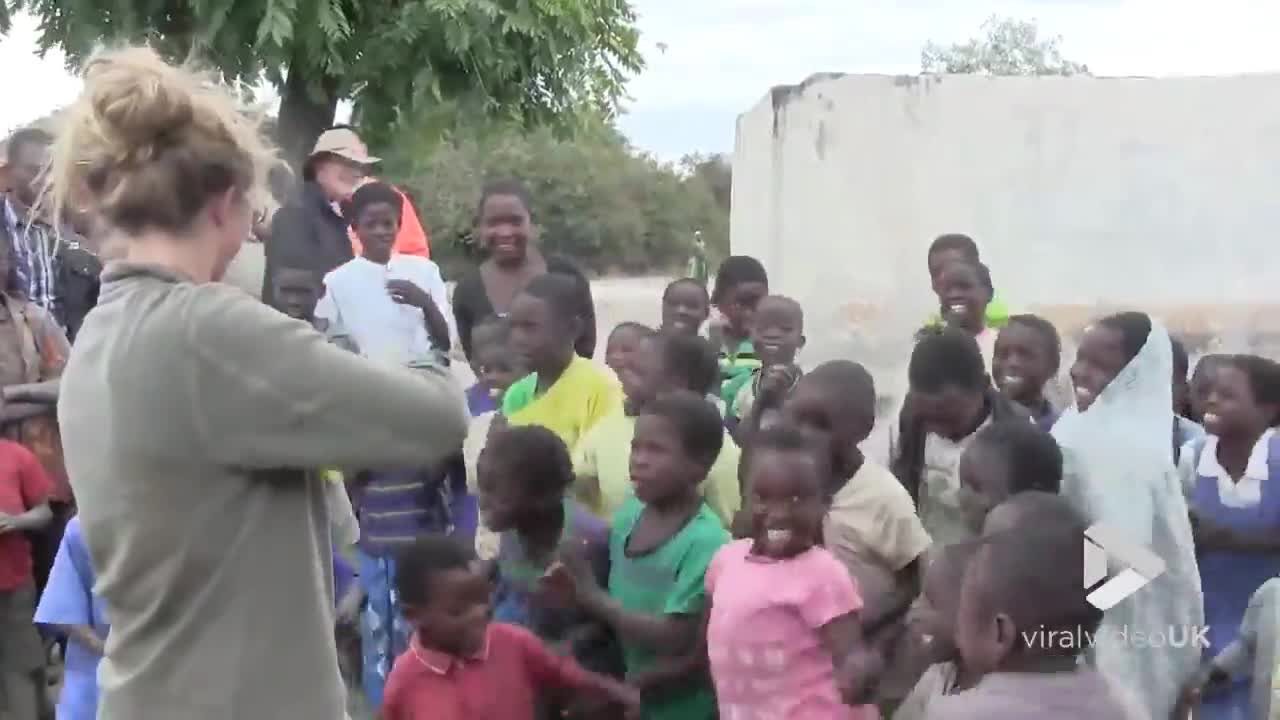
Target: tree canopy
x,y
1007,47
536,62
595,198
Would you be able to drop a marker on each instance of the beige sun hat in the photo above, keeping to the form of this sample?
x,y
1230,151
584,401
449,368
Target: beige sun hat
x,y
345,144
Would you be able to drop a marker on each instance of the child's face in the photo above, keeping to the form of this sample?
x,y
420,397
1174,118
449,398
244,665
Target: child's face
x,y
661,469
822,415
939,623
777,332
504,503
984,480
376,227
296,293
642,375
496,367
951,412
505,228
984,636
963,297
942,258
1022,364
1201,386
1099,360
541,339
1233,410
786,502
456,618
621,346
685,308
739,305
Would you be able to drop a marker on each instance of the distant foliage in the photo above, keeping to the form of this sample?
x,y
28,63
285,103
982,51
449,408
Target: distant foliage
x,y
597,200
1007,47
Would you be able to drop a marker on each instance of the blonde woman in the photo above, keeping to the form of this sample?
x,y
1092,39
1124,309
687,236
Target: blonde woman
x,y
186,404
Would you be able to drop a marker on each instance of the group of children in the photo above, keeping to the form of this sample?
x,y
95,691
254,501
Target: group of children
x,y
692,531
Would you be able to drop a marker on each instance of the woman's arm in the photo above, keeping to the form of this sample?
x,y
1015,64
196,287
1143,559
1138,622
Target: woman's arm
x,y
272,392
464,313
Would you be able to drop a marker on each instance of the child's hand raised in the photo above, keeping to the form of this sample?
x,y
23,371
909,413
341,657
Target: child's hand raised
x,y
775,382
569,578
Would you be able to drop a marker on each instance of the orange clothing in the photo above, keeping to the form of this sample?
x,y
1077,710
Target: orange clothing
x,y
412,239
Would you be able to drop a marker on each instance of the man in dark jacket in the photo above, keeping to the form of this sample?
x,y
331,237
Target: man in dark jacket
x,y
310,232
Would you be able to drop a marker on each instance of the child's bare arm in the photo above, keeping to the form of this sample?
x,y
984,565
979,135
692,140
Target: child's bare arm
x,y
86,636
679,669
556,671
573,583
887,608
857,666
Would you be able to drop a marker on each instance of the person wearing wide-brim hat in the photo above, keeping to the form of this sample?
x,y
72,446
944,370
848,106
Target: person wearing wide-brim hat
x,y
310,233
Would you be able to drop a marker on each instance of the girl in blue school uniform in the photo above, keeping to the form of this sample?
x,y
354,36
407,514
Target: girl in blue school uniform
x,y
1233,479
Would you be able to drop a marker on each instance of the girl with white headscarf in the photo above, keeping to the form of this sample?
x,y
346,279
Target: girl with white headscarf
x,y
1119,472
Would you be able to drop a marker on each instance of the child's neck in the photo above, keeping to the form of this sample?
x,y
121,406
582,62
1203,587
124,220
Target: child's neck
x,y
1234,452
684,504
548,376
377,261
733,338
541,534
843,475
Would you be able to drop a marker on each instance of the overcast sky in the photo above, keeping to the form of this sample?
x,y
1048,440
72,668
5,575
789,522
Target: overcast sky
x,y
722,56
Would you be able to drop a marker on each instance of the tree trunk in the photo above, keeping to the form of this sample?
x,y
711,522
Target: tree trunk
x,y
304,115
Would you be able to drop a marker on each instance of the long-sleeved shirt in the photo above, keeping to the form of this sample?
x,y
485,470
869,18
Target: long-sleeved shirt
x,y
185,409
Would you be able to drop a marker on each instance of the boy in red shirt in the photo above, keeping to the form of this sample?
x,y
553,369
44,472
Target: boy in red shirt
x,y
24,507
461,666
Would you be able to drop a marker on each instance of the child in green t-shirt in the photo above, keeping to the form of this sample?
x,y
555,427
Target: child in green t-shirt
x,y
662,541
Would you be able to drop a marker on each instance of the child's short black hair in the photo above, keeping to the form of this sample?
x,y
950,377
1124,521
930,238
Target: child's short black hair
x,y
955,241
512,187
981,271
374,193
1032,455
698,423
1181,362
643,331
539,454
558,290
689,360
1025,582
419,563
785,437
783,301
1134,327
847,380
737,270
1048,333
1264,377
947,357
692,282
493,329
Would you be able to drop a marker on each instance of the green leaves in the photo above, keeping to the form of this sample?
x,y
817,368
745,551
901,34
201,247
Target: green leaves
x,y
1009,47
594,198
535,61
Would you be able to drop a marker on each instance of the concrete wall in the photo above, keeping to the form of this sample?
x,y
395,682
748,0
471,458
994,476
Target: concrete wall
x,y
1083,193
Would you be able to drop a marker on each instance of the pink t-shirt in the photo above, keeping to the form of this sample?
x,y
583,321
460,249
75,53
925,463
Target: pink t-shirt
x,y
767,657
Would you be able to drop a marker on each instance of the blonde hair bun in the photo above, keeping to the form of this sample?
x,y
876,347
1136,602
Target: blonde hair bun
x,y
150,143
139,100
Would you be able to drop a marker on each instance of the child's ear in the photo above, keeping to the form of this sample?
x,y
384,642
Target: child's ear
x,y
1007,636
801,344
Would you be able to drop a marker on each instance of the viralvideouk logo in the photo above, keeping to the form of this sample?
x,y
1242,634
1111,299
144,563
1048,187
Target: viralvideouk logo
x,y
1104,546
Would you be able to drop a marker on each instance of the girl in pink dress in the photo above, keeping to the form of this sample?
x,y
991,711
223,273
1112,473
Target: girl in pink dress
x,y
784,637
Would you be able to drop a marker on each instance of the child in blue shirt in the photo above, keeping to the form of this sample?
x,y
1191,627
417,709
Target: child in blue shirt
x,y
68,604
